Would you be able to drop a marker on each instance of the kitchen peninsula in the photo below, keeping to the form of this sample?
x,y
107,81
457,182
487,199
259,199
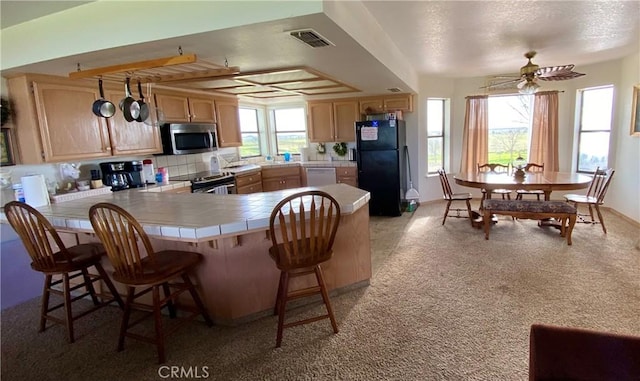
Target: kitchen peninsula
x,y
237,278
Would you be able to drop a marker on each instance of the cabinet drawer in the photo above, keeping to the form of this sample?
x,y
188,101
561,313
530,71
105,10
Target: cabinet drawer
x,y
280,172
252,188
346,171
353,181
242,180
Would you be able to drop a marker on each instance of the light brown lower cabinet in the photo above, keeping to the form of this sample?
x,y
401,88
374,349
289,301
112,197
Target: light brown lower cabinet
x,y
347,175
249,183
281,178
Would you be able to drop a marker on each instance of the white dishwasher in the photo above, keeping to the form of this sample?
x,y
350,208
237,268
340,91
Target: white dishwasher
x,y
320,176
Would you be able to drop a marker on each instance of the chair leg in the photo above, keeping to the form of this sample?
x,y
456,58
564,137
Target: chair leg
x,y
44,308
124,325
519,196
110,286
197,300
89,286
157,317
591,214
446,211
67,306
600,218
325,298
170,305
276,308
282,305
469,212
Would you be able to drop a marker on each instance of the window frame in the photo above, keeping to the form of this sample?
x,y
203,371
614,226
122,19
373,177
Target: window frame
x,y
443,134
273,128
579,124
530,125
259,131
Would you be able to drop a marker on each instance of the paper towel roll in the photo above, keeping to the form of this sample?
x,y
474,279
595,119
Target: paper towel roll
x,y
304,154
35,190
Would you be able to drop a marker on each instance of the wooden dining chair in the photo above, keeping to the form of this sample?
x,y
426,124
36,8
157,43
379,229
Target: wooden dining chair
x,y
123,238
494,168
302,228
448,195
531,167
595,194
37,235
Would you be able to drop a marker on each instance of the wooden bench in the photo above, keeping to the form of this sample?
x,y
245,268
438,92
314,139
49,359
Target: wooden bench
x,y
534,210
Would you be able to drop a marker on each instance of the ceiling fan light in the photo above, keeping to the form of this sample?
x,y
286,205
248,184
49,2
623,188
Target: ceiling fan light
x,y
529,88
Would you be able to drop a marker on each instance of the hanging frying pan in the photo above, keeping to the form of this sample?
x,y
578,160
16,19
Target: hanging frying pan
x,y
129,106
144,108
102,107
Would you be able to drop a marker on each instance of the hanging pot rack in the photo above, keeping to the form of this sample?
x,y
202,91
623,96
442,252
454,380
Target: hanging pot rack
x,y
168,69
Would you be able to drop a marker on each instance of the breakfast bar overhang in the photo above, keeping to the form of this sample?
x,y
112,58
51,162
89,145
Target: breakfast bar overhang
x,y
236,279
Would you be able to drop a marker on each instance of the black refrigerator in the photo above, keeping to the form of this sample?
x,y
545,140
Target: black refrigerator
x,y
381,168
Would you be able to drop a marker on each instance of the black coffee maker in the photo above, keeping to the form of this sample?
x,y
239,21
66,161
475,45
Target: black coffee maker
x,y
134,168
121,175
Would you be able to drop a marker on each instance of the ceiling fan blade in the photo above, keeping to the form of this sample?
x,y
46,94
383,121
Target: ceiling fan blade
x,y
498,85
553,70
561,76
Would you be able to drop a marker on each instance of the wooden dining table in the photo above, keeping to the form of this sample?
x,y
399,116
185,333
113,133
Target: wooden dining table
x,y
545,181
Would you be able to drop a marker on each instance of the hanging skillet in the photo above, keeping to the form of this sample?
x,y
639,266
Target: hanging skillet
x,y
129,106
144,108
102,107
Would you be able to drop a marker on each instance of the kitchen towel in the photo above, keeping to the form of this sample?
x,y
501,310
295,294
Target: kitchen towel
x,y
221,190
35,190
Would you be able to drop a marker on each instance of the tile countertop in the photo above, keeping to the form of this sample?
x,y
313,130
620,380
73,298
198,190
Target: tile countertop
x,y
315,163
193,217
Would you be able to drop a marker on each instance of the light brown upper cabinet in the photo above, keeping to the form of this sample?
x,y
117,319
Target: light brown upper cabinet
x,y
55,122
345,115
332,121
132,138
386,103
229,134
179,107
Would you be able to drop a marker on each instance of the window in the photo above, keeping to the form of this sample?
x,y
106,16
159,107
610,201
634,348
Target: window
x,y
510,118
250,133
290,129
435,134
596,105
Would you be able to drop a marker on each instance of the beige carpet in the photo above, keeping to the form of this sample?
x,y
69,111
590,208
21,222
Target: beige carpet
x,y
443,304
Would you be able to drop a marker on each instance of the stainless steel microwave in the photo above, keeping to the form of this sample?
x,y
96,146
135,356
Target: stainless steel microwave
x,y
188,138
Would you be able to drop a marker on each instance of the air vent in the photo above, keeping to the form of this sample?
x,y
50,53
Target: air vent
x,y
394,90
311,38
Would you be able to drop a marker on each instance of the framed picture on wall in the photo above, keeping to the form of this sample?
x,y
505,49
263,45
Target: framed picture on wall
x,y
635,111
6,158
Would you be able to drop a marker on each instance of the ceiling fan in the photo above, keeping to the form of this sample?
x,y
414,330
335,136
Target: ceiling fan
x,y
531,73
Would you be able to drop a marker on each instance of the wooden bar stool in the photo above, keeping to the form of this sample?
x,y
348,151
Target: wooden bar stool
x,y
121,235
303,227
69,263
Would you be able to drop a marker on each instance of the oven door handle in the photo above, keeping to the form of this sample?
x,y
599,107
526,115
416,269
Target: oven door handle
x,y
230,188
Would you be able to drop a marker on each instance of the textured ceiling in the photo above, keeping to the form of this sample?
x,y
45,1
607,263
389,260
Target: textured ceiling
x,y
439,38
472,38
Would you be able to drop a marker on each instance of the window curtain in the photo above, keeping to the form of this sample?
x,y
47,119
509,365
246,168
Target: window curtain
x,y
544,131
475,139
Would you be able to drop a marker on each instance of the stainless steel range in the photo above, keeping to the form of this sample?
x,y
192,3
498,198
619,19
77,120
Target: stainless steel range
x,y
206,182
